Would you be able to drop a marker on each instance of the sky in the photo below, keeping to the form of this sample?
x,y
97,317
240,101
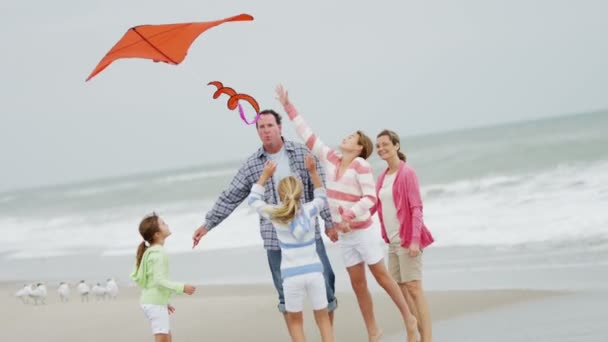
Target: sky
x,y
412,66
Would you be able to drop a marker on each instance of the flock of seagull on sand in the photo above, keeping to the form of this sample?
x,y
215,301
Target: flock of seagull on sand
x,y
37,293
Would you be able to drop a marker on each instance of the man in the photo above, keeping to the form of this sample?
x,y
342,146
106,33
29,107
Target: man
x,y
289,157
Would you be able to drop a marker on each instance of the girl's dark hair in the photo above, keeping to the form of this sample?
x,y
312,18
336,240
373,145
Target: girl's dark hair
x,y
147,228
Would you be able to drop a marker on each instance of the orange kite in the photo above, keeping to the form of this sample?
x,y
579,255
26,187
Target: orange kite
x,y
167,43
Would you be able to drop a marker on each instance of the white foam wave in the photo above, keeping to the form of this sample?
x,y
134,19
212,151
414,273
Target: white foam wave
x,y
544,207
6,199
185,177
88,191
563,205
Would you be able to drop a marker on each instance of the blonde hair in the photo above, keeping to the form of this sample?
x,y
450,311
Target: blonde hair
x,y
148,226
290,191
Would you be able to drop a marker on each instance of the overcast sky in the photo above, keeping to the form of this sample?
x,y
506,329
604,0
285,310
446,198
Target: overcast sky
x,y
414,66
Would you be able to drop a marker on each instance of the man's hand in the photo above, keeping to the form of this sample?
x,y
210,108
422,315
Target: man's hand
x,y
198,235
332,234
171,309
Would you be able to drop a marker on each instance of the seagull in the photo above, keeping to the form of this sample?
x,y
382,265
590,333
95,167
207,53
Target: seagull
x,y
83,289
64,292
23,293
112,289
100,292
38,293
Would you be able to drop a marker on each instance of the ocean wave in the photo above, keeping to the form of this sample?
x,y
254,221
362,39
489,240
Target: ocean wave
x,y
565,204
540,208
6,199
563,175
89,191
186,177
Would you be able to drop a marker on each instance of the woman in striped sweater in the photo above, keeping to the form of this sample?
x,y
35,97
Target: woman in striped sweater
x,y
351,193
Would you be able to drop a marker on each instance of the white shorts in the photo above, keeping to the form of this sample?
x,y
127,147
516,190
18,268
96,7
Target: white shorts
x,y
158,315
309,284
361,245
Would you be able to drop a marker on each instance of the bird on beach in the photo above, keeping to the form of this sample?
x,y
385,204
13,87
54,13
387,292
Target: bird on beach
x,y
24,293
99,292
38,293
64,292
111,289
84,290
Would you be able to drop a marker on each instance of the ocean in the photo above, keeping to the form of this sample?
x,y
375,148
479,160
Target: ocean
x,y
509,186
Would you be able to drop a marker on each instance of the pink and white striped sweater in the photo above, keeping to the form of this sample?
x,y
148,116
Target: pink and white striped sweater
x,y
354,191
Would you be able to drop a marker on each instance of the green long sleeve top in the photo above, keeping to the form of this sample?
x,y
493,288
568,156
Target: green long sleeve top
x,y
152,277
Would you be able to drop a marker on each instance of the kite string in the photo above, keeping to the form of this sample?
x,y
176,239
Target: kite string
x,y
242,113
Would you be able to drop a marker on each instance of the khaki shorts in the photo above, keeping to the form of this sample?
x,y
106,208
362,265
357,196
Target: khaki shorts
x,y
401,266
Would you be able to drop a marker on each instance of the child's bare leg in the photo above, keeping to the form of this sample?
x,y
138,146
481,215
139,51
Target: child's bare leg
x,y
295,324
324,324
162,338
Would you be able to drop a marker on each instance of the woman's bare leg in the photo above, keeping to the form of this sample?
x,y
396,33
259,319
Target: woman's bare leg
x,y
392,289
364,298
414,288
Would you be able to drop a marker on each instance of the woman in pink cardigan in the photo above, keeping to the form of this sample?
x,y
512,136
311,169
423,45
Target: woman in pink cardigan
x,y
400,212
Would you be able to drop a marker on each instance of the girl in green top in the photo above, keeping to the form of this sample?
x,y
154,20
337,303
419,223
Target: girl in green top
x,y
152,275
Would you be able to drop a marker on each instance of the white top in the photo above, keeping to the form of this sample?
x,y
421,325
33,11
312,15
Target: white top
x,y
283,170
389,212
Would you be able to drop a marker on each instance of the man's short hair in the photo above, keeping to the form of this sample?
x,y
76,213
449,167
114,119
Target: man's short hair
x,y
276,115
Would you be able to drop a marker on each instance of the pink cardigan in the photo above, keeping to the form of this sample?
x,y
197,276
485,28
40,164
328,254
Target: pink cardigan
x,y
406,194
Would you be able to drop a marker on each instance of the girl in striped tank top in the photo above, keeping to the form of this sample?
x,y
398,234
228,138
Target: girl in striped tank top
x,y
351,193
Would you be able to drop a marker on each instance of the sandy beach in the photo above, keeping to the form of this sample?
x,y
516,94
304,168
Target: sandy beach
x,y
481,294
221,313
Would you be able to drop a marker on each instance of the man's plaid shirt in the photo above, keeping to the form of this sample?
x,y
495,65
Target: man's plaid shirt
x,y
249,173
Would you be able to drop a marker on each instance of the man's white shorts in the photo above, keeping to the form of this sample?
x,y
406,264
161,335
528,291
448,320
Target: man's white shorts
x,y
297,287
361,245
158,315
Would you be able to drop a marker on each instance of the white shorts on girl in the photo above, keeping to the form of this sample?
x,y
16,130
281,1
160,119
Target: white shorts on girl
x,y
361,245
297,287
158,315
